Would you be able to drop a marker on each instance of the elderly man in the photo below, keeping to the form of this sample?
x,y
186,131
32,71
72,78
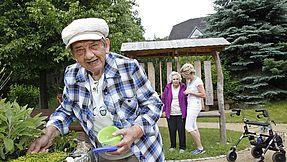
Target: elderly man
x,y
103,89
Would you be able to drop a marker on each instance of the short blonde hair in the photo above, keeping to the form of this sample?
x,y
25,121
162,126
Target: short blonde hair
x,y
187,69
174,73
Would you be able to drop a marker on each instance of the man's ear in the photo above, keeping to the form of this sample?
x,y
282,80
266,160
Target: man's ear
x,y
72,55
107,45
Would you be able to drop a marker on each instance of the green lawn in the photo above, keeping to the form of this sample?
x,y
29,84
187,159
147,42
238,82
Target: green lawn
x,y
276,110
210,139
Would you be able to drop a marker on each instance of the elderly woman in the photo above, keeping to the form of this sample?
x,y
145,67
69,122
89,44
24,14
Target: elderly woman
x,y
174,110
195,91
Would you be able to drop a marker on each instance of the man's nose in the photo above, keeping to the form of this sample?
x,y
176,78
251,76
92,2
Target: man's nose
x,y
89,53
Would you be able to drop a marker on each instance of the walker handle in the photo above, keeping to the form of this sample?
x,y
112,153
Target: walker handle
x,y
235,112
263,113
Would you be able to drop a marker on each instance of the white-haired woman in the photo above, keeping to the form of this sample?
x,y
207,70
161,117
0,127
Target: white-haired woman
x,y
195,91
174,110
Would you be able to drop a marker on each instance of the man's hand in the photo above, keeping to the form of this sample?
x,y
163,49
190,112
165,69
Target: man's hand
x,y
43,143
130,135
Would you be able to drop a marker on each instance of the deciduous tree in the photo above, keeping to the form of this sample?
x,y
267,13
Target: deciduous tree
x,y
31,44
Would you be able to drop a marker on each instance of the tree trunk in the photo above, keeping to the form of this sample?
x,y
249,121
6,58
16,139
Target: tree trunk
x,y
43,90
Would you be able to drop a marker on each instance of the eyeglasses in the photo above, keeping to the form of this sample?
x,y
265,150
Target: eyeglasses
x,y
81,50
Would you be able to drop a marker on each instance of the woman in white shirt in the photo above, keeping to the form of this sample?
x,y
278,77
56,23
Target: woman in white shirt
x,y
195,91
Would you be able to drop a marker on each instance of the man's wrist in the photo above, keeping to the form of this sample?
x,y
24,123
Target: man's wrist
x,y
138,132
51,132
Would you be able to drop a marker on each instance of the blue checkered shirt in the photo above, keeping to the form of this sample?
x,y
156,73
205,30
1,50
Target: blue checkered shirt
x,y
129,97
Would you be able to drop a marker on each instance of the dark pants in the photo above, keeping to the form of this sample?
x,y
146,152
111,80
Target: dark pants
x,y
177,123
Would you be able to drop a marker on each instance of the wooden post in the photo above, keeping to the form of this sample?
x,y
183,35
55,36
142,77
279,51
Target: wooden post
x,y
208,83
178,66
168,70
151,73
220,97
197,67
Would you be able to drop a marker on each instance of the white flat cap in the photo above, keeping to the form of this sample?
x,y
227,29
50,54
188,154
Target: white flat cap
x,y
85,29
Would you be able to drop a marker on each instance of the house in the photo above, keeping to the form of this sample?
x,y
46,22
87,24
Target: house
x,y
191,28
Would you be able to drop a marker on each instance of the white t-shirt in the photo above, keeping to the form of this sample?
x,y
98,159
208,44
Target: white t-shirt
x,y
175,108
194,101
102,117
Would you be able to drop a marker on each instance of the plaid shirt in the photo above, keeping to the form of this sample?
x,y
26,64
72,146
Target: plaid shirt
x,y
129,97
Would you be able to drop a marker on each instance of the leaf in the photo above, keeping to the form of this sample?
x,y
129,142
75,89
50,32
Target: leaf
x,y
3,118
9,144
2,155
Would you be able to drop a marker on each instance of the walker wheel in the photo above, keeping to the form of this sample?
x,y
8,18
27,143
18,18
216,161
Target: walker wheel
x,y
256,152
231,156
278,157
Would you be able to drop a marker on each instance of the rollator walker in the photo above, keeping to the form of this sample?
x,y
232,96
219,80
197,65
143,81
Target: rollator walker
x,y
262,141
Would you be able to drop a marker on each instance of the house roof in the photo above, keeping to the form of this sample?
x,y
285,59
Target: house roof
x,y
184,29
179,47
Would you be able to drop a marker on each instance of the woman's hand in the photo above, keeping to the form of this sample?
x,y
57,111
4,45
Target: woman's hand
x,y
163,115
187,91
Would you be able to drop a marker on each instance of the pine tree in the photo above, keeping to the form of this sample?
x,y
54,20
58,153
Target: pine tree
x,y
257,55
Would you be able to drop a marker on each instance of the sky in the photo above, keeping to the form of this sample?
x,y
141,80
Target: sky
x,y
159,16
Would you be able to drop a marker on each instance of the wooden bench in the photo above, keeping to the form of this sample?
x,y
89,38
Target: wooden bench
x,y
209,114
212,114
47,112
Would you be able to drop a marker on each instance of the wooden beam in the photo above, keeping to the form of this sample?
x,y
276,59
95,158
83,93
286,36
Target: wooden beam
x,y
197,67
169,52
151,73
208,83
178,66
220,97
168,70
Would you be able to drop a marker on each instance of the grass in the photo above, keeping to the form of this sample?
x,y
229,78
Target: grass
x,y
276,110
210,137
210,140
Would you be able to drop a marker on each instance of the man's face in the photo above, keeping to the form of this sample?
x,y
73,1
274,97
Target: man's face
x,y
91,54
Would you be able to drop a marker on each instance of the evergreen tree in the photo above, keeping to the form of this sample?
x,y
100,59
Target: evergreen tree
x,y
257,54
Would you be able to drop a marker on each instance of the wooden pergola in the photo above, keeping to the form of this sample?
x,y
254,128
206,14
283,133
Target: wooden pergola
x,y
186,47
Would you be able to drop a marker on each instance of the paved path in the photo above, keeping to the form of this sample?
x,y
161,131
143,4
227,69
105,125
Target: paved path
x,y
243,156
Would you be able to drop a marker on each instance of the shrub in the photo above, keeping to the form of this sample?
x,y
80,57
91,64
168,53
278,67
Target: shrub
x,y
65,143
25,95
42,157
17,129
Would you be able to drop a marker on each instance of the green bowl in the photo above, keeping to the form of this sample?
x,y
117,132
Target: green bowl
x,y
106,138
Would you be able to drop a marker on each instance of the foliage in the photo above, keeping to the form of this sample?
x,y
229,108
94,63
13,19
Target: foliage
x,y
211,144
42,157
65,143
257,32
4,78
17,128
25,95
31,44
